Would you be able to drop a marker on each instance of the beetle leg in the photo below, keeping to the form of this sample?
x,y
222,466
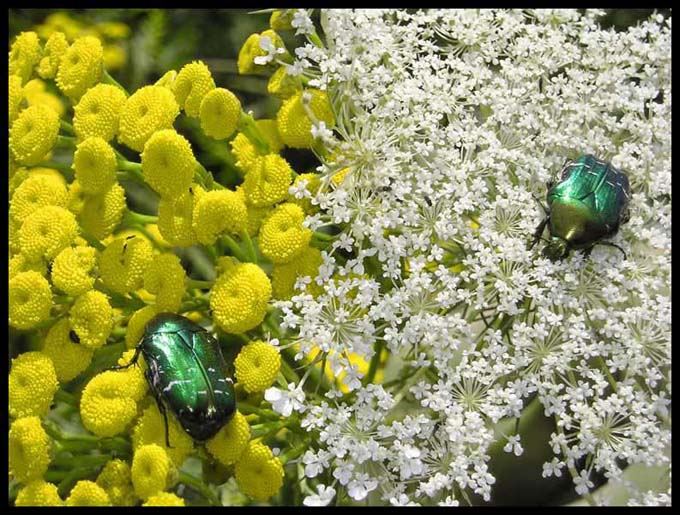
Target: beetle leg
x,y
610,244
161,406
133,361
539,231
545,209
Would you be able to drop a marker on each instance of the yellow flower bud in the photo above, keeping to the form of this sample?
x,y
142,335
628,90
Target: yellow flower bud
x,y
294,122
149,109
192,83
46,232
164,499
32,383
281,18
76,198
220,112
38,493
94,162
80,67
217,212
230,441
33,134
251,49
19,264
16,95
168,164
136,325
88,493
174,219
152,471
283,85
166,278
98,112
29,449
282,237
150,429
36,192
239,298
73,270
24,54
116,480
285,275
259,473
267,181
55,48
91,319
167,80
257,366
69,358
30,300
123,263
101,214
106,408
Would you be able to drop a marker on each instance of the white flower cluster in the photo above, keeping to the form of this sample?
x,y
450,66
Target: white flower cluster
x,y
448,123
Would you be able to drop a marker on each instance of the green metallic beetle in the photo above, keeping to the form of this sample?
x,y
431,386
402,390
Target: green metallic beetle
x,y
588,204
186,374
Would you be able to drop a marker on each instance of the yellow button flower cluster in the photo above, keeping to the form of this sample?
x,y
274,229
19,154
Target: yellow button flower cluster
x,y
101,214
220,112
168,163
116,480
106,406
282,237
239,298
293,119
35,93
33,134
29,449
284,275
193,82
68,357
32,384
98,112
150,429
152,471
80,67
267,180
73,270
16,96
257,366
94,162
123,263
164,499
38,493
46,232
30,300
175,219
230,442
246,152
166,278
91,319
251,49
35,192
313,183
149,109
136,324
88,493
259,473
18,263
217,212
55,47
283,85
24,54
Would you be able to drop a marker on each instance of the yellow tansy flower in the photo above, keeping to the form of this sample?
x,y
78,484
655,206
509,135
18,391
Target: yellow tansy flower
x,y
267,180
149,109
36,192
101,214
32,383
283,85
19,263
24,54
116,480
16,95
164,499
33,134
55,47
30,300
106,409
168,164
136,325
150,428
174,219
220,112
152,471
68,357
47,231
285,275
73,270
98,112
282,237
192,83
230,441
166,278
123,263
257,366
88,493
38,493
293,119
80,67
259,473
91,319
29,449
94,162
313,183
217,212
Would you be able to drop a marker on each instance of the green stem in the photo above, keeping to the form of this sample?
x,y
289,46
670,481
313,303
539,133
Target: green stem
x,y
375,361
63,168
235,248
249,245
107,79
201,285
124,164
66,127
66,397
316,40
133,218
92,241
65,141
322,236
247,126
200,487
248,409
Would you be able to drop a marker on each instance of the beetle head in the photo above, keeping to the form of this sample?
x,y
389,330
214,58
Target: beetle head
x,y
557,248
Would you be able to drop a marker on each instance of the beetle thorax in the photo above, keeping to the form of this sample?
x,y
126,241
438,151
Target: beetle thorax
x,y
557,248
